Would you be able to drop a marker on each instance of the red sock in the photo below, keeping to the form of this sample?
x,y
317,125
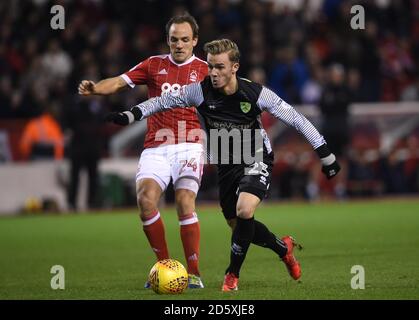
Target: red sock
x,y
154,230
190,235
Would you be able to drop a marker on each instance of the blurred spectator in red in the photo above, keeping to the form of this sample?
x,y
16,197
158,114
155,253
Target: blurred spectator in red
x,y
397,64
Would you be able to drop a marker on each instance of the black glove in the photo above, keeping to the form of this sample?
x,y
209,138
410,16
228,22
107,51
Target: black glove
x,y
126,117
120,118
330,167
331,170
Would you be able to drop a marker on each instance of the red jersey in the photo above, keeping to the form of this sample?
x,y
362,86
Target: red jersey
x,y
162,74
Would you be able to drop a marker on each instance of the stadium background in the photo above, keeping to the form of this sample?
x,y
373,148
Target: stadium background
x,y
288,45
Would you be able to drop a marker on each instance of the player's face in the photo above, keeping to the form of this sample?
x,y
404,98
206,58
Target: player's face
x,y
221,69
181,41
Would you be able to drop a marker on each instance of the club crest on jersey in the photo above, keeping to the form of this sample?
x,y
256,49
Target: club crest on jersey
x,y
245,106
193,76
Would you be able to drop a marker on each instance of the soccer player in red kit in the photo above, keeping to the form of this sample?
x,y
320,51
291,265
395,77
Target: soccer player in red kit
x,y
171,149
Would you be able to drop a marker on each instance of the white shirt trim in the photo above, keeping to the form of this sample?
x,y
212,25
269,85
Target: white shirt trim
x,y
192,58
161,56
128,80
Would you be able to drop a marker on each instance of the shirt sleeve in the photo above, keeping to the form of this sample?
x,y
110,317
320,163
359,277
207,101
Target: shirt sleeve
x,y
269,101
137,75
187,96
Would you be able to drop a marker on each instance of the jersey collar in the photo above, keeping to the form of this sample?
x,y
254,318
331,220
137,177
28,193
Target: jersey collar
x,y
183,63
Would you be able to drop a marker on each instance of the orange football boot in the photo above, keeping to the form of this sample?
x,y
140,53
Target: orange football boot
x,y
231,282
293,266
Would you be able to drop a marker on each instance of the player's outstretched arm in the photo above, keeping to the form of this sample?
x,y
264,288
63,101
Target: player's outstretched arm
x,y
281,110
187,96
103,87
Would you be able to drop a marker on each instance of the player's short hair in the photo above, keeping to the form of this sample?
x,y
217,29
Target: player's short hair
x,y
185,17
223,45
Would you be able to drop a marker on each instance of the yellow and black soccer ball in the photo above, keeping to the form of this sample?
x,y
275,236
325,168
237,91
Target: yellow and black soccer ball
x,y
168,277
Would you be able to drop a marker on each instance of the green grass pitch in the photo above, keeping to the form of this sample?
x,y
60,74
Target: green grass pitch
x,y
106,255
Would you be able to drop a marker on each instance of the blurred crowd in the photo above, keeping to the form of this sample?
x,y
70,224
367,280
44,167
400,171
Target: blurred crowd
x,y
286,44
296,47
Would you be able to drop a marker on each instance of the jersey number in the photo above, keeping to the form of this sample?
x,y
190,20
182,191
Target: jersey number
x,y
255,170
191,164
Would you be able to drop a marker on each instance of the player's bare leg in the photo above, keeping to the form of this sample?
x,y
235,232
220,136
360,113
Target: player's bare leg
x,y
189,233
148,196
185,202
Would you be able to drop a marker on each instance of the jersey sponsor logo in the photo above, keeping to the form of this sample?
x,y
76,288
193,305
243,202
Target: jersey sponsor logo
x,y
172,88
245,106
229,125
162,71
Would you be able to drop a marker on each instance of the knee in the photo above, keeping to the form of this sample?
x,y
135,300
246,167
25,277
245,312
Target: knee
x,y
185,201
147,201
245,211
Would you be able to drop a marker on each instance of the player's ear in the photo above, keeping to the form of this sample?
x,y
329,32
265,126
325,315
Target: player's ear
x,y
194,41
236,67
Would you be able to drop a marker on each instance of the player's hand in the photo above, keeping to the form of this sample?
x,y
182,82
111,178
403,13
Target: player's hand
x,y
331,170
119,118
330,166
86,88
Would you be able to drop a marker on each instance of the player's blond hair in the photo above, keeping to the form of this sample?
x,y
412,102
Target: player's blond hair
x,y
223,45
